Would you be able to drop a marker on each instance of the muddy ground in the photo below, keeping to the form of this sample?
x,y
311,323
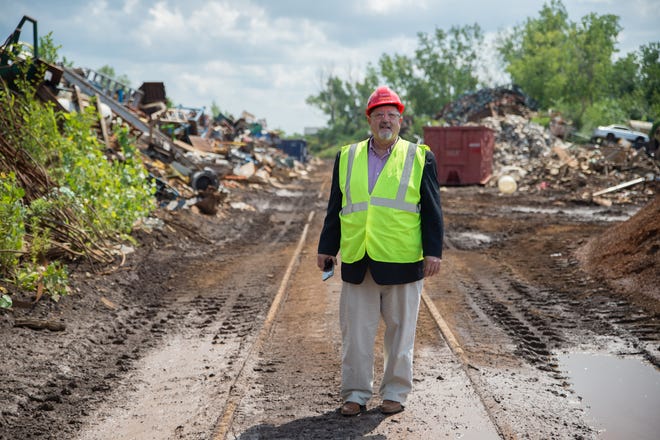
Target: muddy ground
x,y
182,341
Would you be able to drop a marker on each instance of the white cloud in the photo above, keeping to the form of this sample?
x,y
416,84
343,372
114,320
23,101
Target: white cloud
x,y
130,6
163,26
268,56
383,7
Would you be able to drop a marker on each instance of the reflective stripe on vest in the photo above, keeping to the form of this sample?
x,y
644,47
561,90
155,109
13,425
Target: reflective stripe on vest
x,y
384,222
350,207
398,203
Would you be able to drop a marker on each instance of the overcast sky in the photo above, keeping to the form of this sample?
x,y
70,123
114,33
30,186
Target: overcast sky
x,y
267,56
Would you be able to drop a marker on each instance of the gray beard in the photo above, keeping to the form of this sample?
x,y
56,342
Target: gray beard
x,y
386,134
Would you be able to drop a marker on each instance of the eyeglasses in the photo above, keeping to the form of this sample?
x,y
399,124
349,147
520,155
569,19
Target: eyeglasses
x,y
390,116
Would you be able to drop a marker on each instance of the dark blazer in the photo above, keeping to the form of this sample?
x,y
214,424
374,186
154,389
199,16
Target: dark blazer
x,y
388,273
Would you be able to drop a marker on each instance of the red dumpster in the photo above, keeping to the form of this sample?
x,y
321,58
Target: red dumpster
x,y
464,154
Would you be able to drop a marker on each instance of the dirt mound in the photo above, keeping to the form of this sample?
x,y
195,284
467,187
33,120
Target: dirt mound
x,y
627,255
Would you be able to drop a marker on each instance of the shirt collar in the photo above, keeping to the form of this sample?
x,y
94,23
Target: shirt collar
x,y
373,150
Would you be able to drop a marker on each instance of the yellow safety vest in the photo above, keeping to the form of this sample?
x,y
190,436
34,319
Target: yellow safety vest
x,y
385,223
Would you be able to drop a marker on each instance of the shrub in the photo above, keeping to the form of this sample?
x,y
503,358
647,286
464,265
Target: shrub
x,y
71,201
12,228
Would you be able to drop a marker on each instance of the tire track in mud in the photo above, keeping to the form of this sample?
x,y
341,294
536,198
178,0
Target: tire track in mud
x,y
202,327
559,307
195,279
236,393
541,320
517,300
496,297
77,371
507,337
589,308
582,308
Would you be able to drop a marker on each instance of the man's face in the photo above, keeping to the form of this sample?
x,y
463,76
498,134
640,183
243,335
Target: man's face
x,y
385,123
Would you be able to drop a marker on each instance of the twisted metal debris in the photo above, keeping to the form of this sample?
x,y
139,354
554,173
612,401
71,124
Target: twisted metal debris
x,y
499,101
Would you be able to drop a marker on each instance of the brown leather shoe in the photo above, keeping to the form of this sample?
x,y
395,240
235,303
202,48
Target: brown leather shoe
x,y
350,409
390,407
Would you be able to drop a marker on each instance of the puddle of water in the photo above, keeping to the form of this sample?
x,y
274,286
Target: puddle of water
x,y
580,213
622,395
287,193
474,236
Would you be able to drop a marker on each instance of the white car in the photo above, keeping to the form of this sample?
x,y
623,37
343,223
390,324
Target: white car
x,y
614,132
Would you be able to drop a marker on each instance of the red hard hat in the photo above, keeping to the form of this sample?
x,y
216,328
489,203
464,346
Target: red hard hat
x,y
383,95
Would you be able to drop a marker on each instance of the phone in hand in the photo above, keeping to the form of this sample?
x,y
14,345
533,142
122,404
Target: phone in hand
x,y
328,269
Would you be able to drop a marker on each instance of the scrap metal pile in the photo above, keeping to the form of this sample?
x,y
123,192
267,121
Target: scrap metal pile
x,y
472,107
540,159
187,153
194,159
192,155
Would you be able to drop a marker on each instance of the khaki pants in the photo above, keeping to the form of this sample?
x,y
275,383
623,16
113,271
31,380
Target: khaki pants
x,y
360,309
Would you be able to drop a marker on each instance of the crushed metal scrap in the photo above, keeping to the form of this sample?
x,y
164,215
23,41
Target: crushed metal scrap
x,y
472,107
193,159
543,159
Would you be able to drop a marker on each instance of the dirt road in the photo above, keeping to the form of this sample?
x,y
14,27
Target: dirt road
x,y
220,327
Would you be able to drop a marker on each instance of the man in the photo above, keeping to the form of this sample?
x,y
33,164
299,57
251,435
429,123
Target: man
x,y
384,217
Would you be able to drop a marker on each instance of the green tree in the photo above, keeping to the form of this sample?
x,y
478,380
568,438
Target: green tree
x,y
570,67
649,57
447,62
624,78
537,53
343,102
110,73
590,47
623,91
560,64
48,50
441,70
632,89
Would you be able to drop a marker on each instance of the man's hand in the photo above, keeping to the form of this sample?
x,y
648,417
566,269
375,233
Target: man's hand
x,y
431,266
320,260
